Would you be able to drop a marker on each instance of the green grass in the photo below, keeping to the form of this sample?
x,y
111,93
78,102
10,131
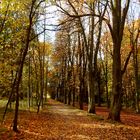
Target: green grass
x,y
96,117
3,129
23,104
3,103
2,109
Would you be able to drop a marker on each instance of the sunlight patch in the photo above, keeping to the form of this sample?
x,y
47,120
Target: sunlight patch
x,y
95,125
79,137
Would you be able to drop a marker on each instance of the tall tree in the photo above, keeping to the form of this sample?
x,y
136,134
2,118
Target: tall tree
x,y
119,11
91,43
134,35
33,6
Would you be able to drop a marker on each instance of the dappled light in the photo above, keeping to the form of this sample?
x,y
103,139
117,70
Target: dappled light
x,y
59,121
69,69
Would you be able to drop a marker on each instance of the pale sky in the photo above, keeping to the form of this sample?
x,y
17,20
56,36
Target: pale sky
x,y
52,19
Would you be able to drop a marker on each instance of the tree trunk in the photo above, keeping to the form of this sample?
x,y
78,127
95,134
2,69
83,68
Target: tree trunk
x,y
29,83
99,89
15,121
19,76
69,97
134,44
118,21
73,99
137,81
81,98
91,95
116,95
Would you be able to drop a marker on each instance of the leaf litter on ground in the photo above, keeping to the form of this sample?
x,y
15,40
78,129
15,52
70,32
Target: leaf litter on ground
x,y
62,122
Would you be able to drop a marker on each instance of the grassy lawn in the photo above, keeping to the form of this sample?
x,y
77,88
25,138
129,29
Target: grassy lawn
x,y
3,102
23,105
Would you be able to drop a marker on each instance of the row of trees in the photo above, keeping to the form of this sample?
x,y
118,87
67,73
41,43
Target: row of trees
x,y
96,55
93,35
24,60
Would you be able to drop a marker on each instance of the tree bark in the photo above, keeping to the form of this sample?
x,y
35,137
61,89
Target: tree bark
x,y
116,95
118,20
20,69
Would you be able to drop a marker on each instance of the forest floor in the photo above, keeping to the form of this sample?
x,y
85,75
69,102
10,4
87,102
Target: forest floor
x,y
62,122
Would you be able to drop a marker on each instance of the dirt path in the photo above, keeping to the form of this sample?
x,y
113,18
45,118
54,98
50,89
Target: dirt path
x,y
61,122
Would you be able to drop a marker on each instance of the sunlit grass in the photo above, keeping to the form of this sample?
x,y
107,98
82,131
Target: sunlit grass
x,y
23,105
3,103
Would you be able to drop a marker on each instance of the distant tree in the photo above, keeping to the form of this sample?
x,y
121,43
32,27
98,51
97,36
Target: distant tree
x,y
134,30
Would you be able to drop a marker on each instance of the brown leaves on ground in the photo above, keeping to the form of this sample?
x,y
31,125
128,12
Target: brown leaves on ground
x,y
61,122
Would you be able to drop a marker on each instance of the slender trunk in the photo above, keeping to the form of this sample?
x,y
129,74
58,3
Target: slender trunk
x,y
99,91
91,96
46,84
134,44
65,96
29,84
15,121
73,99
40,104
19,75
9,100
106,86
137,81
69,97
73,89
81,97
